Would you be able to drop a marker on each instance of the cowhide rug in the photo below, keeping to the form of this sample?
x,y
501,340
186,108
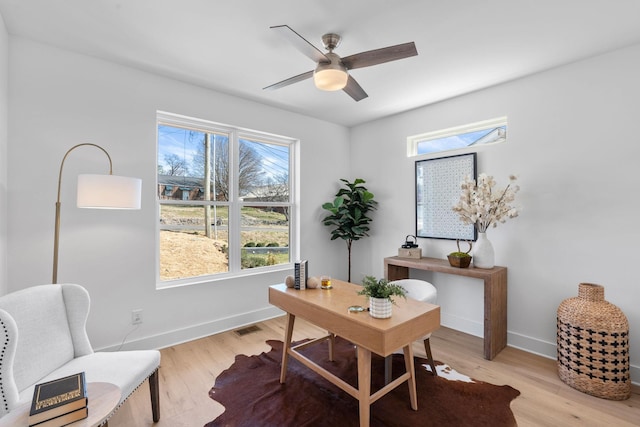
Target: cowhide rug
x,y
252,395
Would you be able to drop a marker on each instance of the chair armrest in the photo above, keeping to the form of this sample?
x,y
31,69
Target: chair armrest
x,y
9,341
77,301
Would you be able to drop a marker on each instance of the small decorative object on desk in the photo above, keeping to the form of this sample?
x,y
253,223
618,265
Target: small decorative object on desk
x,y
460,259
325,282
290,281
313,282
59,402
381,293
593,345
480,206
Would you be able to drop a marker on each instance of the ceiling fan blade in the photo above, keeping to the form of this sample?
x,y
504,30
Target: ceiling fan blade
x,y
291,80
354,90
301,43
380,56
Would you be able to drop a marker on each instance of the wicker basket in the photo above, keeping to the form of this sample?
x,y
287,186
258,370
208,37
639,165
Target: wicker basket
x,y
593,345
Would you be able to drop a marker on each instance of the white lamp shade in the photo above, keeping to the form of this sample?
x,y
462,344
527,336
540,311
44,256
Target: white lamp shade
x,y
330,78
109,192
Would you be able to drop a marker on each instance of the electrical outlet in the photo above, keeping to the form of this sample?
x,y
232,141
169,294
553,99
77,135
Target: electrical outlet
x,y
136,317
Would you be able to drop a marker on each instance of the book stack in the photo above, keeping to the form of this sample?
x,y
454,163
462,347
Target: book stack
x,y
300,274
59,402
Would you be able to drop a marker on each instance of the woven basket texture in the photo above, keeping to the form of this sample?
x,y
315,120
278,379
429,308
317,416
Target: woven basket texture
x,y
593,345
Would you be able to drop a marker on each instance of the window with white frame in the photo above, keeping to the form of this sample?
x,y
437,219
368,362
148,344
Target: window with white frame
x,y
481,133
225,200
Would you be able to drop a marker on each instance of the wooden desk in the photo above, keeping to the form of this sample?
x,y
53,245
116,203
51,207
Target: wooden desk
x,y
103,398
328,309
495,293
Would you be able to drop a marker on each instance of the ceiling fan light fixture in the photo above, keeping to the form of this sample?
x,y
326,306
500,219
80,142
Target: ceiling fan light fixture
x,y
330,77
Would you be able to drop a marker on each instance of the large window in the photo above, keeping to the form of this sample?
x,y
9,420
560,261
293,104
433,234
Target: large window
x,y
481,133
225,200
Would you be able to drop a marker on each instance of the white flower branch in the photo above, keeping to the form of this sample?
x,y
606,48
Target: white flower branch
x,y
480,206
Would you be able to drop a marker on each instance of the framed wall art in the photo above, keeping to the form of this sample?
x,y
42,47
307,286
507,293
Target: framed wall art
x,y
437,191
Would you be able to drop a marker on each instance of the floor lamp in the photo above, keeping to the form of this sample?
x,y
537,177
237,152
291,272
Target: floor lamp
x,y
98,192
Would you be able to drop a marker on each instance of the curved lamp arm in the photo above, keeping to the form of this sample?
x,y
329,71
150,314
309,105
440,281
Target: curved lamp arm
x,y
109,184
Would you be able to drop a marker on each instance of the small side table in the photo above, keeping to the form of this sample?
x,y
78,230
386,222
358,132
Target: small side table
x,y
103,399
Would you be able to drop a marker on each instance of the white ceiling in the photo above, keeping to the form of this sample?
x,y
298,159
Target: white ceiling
x,y
463,45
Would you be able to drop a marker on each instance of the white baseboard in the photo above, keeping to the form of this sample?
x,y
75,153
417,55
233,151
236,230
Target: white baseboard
x,y
179,336
468,326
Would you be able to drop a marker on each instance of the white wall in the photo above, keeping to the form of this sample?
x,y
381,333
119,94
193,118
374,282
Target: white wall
x,y
573,141
59,99
4,121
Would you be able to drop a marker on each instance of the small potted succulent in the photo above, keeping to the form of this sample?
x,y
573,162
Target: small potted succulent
x,y
460,259
381,293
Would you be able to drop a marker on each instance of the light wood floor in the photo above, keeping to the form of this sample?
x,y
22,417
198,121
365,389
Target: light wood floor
x,y
189,370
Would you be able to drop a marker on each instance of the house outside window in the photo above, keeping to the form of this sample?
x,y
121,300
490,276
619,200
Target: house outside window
x,y
471,135
226,204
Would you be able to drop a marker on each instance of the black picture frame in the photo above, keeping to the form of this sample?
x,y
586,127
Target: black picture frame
x,y
437,191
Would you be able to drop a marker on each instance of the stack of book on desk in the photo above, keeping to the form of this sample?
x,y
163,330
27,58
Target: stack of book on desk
x,y
59,402
300,274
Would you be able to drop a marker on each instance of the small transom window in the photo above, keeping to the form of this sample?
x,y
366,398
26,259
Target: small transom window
x,y
459,137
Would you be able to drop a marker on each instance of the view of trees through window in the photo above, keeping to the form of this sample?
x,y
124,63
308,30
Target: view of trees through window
x,y
224,200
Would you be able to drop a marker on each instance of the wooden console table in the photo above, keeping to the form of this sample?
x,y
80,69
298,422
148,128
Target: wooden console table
x,y
495,293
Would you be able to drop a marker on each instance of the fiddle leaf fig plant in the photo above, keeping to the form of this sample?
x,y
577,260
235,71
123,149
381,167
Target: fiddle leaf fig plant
x,y
348,214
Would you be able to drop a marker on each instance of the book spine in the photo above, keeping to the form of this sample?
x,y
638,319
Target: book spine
x,y
306,272
296,275
301,274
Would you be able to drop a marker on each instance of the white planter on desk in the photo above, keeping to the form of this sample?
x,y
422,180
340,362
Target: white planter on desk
x,y
380,308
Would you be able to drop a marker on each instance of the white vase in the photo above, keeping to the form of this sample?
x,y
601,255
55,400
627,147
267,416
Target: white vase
x,y
380,307
483,255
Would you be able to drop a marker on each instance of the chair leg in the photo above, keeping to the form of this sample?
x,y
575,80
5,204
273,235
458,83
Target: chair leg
x,y
427,349
154,389
388,369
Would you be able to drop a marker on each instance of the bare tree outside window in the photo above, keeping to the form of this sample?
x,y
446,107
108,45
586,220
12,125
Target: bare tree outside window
x,y
175,165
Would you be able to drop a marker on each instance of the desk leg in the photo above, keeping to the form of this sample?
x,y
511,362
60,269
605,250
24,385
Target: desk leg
x,y
288,334
364,384
410,366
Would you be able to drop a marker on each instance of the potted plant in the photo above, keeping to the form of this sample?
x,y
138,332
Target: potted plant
x,y
348,214
381,293
460,259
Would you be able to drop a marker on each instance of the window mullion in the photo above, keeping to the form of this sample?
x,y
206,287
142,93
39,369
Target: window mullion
x,y
235,214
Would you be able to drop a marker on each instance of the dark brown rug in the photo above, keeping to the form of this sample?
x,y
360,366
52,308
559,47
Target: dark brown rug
x,y
252,395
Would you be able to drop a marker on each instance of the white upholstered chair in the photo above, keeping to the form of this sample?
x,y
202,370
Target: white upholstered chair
x,y
43,337
422,291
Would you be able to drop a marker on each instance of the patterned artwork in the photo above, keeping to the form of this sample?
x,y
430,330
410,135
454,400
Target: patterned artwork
x,y
437,190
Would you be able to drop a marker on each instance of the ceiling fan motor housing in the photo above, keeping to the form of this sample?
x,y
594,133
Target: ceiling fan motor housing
x,y
331,41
